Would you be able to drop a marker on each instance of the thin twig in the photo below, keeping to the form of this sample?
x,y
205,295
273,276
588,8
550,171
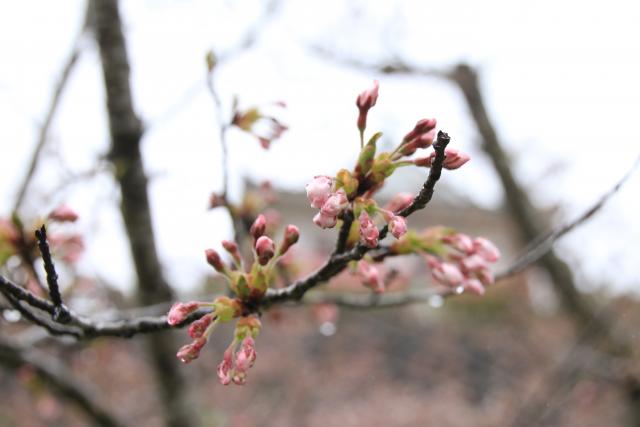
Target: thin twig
x,y
43,132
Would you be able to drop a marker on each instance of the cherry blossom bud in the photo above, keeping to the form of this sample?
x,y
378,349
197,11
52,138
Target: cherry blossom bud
x,y
460,242
232,248
214,260
474,263
180,310
258,227
197,328
364,102
423,126
486,249
324,221
291,236
368,231
398,226
454,158
370,276
246,356
474,286
485,276
319,190
265,249
399,202
225,368
190,352
446,273
335,204
63,214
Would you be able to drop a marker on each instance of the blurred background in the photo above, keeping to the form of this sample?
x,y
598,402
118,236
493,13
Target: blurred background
x,y
541,95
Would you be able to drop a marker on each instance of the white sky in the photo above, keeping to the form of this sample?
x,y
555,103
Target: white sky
x,y
560,80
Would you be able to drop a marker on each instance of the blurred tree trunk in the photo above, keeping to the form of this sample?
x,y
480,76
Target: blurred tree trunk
x,y
126,133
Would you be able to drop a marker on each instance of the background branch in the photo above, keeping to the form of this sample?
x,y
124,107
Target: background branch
x,y
59,378
43,132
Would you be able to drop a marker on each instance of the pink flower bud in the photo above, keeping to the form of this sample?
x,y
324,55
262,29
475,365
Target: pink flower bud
x,y
399,202
291,236
474,286
474,263
319,190
246,356
232,248
265,249
190,352
368,231
197,328
454,158
335,204
445,273
486,277
423,126
324,221
214,260
370,276
364,102
258,227
63,214
398,226
460,242
225,368
486,249
179,311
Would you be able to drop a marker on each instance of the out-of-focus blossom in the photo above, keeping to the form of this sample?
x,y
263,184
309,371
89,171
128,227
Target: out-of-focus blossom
x,y
63,214
370,276
368,231
486,249
319,190
258,227
399,202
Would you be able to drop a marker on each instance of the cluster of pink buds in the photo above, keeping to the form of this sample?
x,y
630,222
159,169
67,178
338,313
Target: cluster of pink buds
x,y
223,309
235,364
321,195
253,282
466,263
264,127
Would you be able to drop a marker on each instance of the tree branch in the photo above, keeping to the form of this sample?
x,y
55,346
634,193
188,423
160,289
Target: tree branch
x,y
43,132
59,378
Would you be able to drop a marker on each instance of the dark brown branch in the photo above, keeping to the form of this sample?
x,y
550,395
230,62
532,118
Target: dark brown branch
x,y
60,379
43,132
126,133
60,313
